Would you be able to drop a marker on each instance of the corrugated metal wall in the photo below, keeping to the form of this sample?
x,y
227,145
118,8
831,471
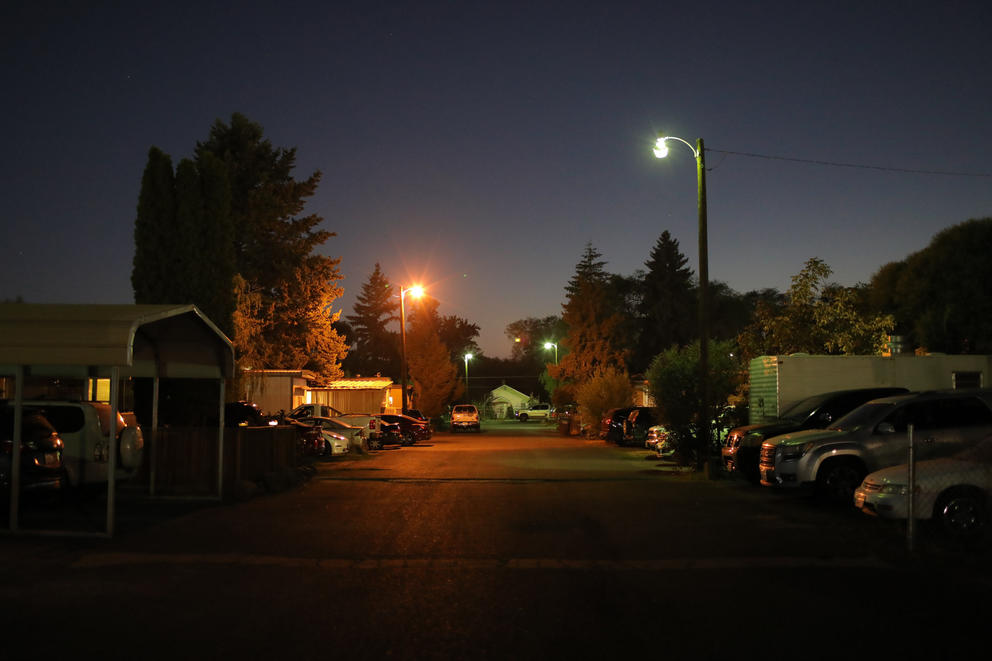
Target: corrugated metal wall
x,y
763,398
350,401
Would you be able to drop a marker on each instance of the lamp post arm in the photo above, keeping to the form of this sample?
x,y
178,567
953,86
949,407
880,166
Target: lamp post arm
x,y
695,152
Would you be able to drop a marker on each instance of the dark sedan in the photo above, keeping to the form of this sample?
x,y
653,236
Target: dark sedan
x,y
41,453
412,429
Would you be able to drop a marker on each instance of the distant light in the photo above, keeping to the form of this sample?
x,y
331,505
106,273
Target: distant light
x,y
468,356
416,291
549,345
660,148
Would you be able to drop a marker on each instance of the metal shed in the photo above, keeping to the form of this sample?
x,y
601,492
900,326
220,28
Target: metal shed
x,y
115,341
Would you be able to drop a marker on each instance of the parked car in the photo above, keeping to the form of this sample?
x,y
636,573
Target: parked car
x,y
246,414
42,469
84,428
465,416
412,430
534,412
338,437
657,440
417,415
313,410
611,427
339,433
874,436
955,492
635,428
741,451
379,431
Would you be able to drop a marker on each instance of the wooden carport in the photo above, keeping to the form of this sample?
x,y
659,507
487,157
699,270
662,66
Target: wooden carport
x,y
115,342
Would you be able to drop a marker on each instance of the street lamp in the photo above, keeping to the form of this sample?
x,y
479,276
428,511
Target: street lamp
x,y
416,291
661,151
468,357
552,345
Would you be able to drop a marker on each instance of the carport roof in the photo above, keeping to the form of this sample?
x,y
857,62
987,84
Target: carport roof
x,y
175,341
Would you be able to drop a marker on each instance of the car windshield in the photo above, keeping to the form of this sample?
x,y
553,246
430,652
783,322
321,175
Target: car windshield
x,y
464,409
866,414
803,408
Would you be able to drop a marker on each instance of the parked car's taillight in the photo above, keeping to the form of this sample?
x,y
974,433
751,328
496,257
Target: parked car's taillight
x,y
371,423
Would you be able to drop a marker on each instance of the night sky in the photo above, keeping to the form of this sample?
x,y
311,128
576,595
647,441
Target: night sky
x,y
477,147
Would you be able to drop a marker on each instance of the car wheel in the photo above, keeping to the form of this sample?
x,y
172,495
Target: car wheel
x,y
837,481
523,417
375,443
962,513
407,439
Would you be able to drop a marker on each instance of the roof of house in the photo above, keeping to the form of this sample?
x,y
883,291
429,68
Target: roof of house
x,y
359,383
510,391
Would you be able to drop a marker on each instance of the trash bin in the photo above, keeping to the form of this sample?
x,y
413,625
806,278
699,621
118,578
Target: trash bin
x,y
565,425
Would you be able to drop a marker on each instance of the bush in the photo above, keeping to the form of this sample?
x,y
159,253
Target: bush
x,y
673,380
609,389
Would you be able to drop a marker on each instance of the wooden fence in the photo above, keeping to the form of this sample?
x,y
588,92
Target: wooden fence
x,y
186,458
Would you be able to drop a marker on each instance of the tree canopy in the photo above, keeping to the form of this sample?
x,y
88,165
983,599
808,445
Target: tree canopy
x,y
376,346
939,295
816,317
224,232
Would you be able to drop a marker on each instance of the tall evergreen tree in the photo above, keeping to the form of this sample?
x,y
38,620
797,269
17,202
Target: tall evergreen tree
x,y
217,267
666,310
595,339
376,347
150,274
274,248
590,269
187,281
225,233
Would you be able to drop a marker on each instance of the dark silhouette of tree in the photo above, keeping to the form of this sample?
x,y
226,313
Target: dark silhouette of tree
x,y
376,346
666,314
939,295
225,232
152,271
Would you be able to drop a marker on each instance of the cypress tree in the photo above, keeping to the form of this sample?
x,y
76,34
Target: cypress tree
x,y
156,211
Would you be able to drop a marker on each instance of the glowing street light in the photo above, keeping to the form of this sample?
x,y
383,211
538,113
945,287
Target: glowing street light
x,y
416,291
661,151
468,357
552,345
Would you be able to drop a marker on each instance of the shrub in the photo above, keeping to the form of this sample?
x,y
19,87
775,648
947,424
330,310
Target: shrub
x,y
608,389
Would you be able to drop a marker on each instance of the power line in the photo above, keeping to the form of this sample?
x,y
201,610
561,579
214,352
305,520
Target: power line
x,y
835,164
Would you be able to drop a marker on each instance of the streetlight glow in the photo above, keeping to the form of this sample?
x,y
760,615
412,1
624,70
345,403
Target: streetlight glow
x,y
468,357
552,345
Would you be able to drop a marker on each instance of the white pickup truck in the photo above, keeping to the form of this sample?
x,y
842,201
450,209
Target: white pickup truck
x,y
534,412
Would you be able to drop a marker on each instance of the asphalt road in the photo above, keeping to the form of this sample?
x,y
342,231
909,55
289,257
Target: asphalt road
x,y
513,543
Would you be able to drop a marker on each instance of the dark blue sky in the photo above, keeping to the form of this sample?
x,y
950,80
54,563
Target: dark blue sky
x,y
477,147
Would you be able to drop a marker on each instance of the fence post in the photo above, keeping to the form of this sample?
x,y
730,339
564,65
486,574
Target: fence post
x,y
911,509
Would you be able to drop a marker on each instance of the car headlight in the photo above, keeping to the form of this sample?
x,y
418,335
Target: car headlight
x,y
793,452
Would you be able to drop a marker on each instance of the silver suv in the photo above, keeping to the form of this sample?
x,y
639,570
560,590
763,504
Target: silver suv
x,y
85,430
876,435
465,416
